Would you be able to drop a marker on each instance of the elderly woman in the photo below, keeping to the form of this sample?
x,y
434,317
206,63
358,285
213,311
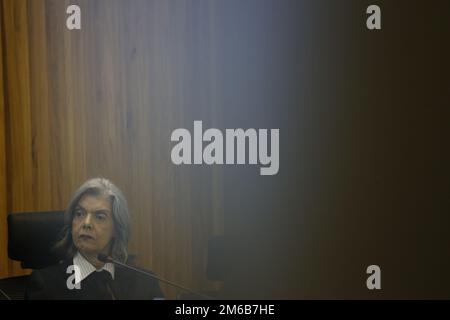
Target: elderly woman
x,y
96,222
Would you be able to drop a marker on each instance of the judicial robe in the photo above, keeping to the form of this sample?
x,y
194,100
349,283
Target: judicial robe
x,y
51,283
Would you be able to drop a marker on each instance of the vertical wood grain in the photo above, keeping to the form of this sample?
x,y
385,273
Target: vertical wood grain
x,y
3,175
19,151
103,101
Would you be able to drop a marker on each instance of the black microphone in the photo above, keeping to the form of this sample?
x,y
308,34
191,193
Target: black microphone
x,y
105,258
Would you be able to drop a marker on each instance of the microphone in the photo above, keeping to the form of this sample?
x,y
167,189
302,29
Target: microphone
x,y
105,258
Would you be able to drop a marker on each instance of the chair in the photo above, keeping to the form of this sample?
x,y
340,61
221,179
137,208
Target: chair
x,y
31,237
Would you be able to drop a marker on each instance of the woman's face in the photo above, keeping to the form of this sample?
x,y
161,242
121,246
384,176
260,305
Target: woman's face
x,y
92,225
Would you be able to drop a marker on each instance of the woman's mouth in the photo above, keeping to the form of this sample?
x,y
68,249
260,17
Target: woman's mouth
x,y
86,237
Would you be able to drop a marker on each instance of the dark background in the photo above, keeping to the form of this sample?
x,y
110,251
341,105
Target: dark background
x,y
364,162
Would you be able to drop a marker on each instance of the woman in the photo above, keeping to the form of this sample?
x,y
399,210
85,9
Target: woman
x,y
96,222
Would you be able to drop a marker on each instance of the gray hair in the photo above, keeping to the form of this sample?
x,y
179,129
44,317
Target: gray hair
x,y
120,215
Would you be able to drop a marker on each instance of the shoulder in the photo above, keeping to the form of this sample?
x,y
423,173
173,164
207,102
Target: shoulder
x,y
52,272
43,281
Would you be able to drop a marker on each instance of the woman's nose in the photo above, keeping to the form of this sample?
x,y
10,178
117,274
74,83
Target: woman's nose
x,y
87,223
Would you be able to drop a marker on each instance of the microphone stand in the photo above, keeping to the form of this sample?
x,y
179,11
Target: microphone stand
x,y
4,294
104,258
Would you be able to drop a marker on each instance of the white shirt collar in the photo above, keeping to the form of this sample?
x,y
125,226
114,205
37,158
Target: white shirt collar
x,y
86,268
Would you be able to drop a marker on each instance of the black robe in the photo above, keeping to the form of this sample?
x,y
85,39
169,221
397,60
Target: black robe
x,y
51,283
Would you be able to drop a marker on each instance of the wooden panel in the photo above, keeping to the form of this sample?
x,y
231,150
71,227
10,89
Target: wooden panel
x,y
19,143
3,177
103,101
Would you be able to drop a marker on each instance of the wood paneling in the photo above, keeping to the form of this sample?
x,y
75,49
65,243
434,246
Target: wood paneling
x,y
3,177
103,101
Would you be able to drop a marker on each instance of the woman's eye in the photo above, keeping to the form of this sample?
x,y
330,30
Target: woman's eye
x,y
79,213
101,216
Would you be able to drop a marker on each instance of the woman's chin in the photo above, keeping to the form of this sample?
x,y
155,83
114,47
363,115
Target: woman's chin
x,y
87,250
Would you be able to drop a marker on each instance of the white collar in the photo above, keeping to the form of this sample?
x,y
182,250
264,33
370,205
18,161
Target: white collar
x,y
86,268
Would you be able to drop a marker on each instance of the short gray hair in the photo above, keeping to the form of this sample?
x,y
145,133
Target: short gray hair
x,y
120,215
